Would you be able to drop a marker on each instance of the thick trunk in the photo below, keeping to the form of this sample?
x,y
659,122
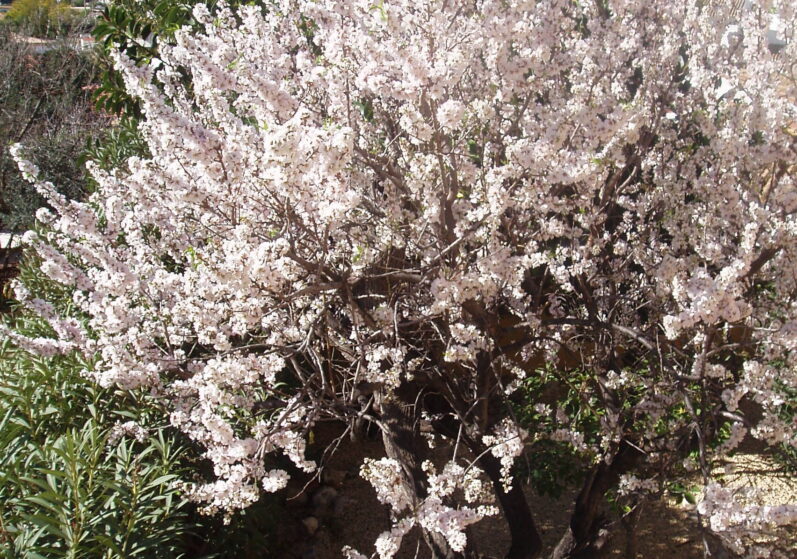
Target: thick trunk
x,y
585,538
525,537
404,444
526,542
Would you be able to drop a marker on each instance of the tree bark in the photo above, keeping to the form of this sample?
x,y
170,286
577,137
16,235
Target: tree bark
x,y
526,542
583,538
403,443
630,522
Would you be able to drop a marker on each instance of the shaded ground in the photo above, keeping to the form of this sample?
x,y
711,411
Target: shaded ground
x,y
666,529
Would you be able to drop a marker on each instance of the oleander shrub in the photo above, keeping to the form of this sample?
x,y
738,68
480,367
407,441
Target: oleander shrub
x,y
85,471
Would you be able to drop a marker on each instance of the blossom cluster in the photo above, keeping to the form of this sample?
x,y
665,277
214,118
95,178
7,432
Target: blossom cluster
x,y
506,444
434,513
738,515
127,429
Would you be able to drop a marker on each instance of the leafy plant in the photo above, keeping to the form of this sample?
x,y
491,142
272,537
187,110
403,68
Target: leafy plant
x,y
73,483
87,471
787,454
44,18
136,29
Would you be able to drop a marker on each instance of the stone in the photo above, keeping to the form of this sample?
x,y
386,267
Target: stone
x,y
311,524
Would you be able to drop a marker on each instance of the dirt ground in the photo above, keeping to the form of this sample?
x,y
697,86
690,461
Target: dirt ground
x,y
666,529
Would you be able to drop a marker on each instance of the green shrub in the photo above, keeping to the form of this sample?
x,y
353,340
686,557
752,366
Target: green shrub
x,y
42,18
786,454
70,488
553,466
72,483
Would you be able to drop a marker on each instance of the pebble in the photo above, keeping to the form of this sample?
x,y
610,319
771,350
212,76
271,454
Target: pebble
x,y
311,525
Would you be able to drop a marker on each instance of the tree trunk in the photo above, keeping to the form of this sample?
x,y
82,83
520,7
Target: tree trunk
x,y
584,538
526,541
630,522
403,443
525,537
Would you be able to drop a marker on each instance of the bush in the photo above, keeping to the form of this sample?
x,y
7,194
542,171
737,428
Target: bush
x,y
84,471
87,471
46,101
397,212
43,18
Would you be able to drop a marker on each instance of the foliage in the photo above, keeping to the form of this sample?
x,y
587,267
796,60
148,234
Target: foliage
x,y
136,28
74,483
117,145
250,534
46,101
78,479
787,454
405,212
126,492
45,18
540,405
70,488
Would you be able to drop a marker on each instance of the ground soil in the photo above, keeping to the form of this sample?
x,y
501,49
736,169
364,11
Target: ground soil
x,y
666,529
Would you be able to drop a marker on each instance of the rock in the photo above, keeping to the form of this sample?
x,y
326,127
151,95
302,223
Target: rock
x,y
333,478
324,498
339,507
311,525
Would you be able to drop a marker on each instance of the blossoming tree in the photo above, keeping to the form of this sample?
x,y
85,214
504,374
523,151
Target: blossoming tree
x,y
395,212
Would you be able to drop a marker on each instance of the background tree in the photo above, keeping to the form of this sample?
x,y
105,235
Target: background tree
x,y
46,103
46,18
399,212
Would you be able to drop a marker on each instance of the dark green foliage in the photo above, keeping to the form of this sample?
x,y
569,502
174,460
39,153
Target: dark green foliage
x,y
787,454
119,143
683,493
553,466
66,488
136,28
250,534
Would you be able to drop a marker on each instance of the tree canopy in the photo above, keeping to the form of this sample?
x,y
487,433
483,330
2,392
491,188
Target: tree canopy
x,y
405,212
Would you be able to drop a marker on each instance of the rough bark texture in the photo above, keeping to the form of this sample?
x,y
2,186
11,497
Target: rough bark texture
x,y
583,538
630,522
404,444
526,542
